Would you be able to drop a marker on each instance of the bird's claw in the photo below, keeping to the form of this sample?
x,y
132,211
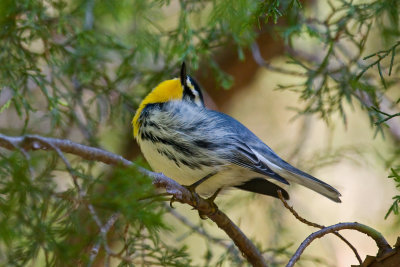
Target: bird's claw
x,y
210,200
192,190
173,199
214,209
203,216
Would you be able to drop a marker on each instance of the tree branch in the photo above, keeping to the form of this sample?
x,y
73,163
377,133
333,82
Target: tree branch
x,y
179,192
198,229
183,195
303,220
255,50
382,244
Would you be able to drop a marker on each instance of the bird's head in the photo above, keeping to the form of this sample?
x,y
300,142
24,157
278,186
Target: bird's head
x,y
184,88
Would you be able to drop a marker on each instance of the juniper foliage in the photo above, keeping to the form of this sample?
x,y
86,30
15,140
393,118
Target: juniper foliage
x,y
78,69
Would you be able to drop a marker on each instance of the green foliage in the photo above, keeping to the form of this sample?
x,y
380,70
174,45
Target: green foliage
x,y
38,218
121,194
71,69
342,75
76,69
395,175
63,54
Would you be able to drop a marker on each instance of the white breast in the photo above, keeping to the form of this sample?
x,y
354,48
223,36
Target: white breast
x,y
226,176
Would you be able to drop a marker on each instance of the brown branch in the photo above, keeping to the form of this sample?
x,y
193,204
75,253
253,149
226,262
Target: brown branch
x,y
381,242
183,195
255,50
295,214
251,253
305,221
104,229
199,230
179,192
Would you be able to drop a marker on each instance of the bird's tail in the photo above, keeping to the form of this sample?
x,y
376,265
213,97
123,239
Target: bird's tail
x,y
295,175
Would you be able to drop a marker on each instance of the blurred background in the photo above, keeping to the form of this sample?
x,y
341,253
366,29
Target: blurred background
x,y
317,81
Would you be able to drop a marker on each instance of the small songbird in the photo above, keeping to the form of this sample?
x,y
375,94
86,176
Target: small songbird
x,y
206,150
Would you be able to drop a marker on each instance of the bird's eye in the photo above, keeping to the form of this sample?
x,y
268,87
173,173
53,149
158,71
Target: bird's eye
x,y
193,92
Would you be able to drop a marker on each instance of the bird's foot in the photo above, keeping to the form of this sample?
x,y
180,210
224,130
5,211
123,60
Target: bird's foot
x,y
192,190
210,200
214,207
213,210
173,199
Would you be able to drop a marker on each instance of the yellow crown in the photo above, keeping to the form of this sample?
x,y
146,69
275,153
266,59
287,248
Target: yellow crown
x,y
164,92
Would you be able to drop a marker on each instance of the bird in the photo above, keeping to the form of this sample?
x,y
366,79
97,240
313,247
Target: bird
x,y
208,151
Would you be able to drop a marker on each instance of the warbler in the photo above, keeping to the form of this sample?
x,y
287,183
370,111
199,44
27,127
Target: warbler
x,y
207,150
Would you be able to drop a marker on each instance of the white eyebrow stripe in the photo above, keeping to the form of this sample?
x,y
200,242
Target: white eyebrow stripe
x,y
191,86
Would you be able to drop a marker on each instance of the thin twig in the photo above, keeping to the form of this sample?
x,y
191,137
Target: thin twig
x,y
89,17
94,252
298,217
26,156
382,244
380,240
388,117
248,249
195,228
260,61
104,229
66,162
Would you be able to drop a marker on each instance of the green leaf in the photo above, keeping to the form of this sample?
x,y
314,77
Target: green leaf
x,y
6,105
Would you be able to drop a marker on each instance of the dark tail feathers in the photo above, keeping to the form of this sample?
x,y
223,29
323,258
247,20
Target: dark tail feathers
x,y
264,187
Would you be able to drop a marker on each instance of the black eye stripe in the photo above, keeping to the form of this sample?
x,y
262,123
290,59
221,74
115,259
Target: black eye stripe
x,y
191,90
188,92
196,88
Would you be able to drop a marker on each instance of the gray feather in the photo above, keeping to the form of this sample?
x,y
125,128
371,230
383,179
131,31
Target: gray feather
x,y
221,140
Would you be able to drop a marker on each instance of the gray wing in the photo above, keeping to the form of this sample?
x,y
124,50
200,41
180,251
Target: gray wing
x,y
243,156
252,153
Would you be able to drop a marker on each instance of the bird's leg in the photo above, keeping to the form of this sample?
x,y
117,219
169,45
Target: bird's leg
x,y
212,198
192,190
192,187
172,201
214,206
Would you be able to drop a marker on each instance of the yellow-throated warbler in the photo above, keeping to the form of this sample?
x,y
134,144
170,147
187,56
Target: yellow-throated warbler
x,y
209,150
